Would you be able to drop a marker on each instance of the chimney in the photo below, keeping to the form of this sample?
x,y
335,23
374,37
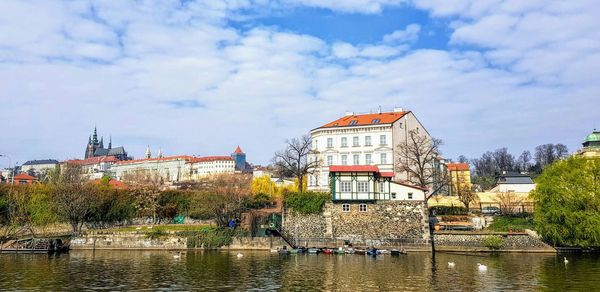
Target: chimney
x,y
348,113
398,109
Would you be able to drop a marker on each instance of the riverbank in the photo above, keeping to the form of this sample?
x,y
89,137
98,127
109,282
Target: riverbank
x,y
219,239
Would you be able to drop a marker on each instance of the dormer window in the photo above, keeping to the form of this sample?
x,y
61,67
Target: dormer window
x,y
375,121
353,122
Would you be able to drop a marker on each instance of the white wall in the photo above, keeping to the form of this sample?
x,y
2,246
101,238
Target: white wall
x,y
517,188
403,191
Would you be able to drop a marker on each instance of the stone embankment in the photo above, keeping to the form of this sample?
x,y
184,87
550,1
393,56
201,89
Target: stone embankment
x,y
475,241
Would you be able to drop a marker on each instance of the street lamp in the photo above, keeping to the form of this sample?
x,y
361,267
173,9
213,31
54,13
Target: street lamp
x,y
12,169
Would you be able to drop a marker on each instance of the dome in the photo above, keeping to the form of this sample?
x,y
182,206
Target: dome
x,y
593,137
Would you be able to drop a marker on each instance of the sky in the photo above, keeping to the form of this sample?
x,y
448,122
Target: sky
x,y
201,77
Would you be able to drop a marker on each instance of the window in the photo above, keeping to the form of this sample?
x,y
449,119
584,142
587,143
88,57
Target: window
x,y
410,196
400,125
329,160
344,159
367,140
383,158
382,187
375,121
355,141
344,142
383,140
393,196
355,159
316,144
362,208
311,181
345,186
329,142
353,122
368,160
345,207
362,186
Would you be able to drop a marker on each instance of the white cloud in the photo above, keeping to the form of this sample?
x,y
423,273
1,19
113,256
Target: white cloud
x,y
178,77
409,34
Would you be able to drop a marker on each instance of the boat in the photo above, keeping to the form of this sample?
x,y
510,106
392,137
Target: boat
x,y
313,250
373,252
339,251
295,251
350,250
360,251
284,251
327,251
397,252
35,245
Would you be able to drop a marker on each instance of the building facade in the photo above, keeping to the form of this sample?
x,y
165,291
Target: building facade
x,y
37,167
95,148
361,140
591,145
94,167
460,177
513,182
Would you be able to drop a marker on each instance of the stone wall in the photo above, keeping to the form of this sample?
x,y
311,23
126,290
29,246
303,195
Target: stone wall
x,y
475,242
385,221
127,240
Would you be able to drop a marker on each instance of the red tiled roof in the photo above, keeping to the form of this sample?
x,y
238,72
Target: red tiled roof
x,y
365,119
179,157
210,158
24,176
238,150
406,184
92,160
113,183
458,166
387,174
353,168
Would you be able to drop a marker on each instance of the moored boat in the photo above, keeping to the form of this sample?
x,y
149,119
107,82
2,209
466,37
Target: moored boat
x,y
397,252
327,251
313,250
360,251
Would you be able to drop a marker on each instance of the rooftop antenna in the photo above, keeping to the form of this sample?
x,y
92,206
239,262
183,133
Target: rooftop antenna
x,y
379,111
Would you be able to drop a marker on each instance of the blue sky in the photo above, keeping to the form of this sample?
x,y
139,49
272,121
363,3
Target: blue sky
x,y
201,77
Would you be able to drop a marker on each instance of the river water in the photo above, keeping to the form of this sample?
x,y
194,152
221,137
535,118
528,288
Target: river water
x,y
263,271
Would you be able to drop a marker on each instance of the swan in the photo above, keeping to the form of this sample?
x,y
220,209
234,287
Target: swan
x,y
177,256
239,255
482,268
451,264
566,261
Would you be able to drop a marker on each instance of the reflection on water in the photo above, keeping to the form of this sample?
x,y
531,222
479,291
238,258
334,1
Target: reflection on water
x,y
258,271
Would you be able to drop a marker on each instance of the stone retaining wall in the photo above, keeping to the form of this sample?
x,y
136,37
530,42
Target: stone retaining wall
x,y
383,221
475,242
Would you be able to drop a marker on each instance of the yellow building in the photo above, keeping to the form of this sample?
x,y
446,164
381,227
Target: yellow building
x,y
460,177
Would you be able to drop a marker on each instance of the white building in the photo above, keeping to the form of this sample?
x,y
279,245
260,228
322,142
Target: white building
x,y
94,167
366,183
361,139
176,168
513,182
39,166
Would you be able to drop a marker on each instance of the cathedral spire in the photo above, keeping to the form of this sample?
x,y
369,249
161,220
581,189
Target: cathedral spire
x,y
110,142
159,154
90,140
95,136
101,142
148,154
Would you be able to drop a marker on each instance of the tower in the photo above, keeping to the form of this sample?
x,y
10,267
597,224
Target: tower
x,y
148,154
109,142
240,159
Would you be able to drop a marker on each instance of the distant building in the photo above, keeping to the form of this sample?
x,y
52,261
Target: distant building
x,y
24,179
181,168
94,167
591,145
362,140
240,160
95,148
38,167
513,182
460,177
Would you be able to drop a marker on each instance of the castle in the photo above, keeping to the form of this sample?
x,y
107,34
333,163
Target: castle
x,y
96,148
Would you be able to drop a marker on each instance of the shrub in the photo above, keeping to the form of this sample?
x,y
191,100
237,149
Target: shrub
x,y
156,233
211,237
306,202
447,210
493,242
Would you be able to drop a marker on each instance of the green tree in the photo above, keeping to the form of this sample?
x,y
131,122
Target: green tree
x,y
567,197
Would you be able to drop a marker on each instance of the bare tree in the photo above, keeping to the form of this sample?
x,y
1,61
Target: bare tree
x,y
464,192
223,196
418,158
463,159
524,161
508,201
294,160
74,196
147,189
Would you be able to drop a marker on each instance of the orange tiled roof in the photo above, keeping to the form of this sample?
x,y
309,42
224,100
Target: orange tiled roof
x,y
210,158
179,157
92,160
365,119
24,176
458,166
238,150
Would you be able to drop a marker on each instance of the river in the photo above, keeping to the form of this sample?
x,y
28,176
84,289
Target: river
x,y
262,271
